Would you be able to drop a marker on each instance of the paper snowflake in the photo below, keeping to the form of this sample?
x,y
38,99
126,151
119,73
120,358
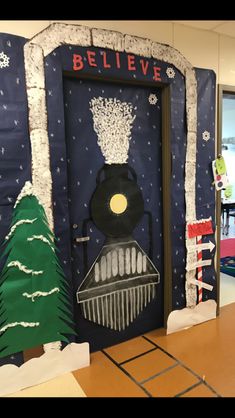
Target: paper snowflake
x,y
206,135
4,60
153,99
170,72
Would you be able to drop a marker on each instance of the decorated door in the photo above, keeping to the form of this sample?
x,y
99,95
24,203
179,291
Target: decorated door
x,y
113,139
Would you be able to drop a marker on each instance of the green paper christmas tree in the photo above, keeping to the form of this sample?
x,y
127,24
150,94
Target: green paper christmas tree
x,y
34,307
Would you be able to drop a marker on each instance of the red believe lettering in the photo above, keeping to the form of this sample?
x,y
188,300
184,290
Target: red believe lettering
x,y
130,60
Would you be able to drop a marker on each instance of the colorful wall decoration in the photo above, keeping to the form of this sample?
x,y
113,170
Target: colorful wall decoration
x,y
64,97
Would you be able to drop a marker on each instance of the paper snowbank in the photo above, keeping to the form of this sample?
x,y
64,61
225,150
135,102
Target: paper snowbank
x,y
38,370
187,317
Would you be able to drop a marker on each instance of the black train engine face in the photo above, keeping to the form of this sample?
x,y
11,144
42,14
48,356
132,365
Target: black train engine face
x,y
122,280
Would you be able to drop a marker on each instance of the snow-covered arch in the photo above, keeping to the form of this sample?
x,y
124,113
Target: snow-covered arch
x,y
42,44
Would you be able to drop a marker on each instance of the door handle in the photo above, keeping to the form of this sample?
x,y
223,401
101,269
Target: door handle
x,y
81,239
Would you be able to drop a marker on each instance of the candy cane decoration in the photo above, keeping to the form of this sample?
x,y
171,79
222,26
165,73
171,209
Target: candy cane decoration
x,y
199,269
196,229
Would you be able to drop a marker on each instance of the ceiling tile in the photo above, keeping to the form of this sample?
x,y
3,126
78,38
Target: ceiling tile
x,y
227,28
201,24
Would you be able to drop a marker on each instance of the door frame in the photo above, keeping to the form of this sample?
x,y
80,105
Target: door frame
x,y
166,178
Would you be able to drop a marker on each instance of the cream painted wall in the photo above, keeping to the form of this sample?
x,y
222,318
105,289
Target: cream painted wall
x,y
204,49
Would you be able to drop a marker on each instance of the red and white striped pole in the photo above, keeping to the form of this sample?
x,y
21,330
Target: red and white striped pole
x,y
199,269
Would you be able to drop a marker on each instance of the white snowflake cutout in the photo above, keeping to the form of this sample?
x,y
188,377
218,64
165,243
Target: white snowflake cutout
x,y
153,99
170,72
4,60
206,135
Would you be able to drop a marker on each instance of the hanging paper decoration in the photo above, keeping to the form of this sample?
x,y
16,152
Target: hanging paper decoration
x,y
228,191
201,227
198,229
153,99
34,299
4,60
206,136
170,72
122,280
219,173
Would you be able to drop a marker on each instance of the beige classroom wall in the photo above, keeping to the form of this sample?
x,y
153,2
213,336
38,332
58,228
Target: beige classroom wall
x,y
204,49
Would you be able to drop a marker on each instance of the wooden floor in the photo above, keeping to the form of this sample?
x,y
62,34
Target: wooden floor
x,y
197,362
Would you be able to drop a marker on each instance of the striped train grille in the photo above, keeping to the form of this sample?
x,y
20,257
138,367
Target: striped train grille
x,y
119,285
118,309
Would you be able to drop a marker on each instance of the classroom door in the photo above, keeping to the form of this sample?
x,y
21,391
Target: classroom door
x,y
113,139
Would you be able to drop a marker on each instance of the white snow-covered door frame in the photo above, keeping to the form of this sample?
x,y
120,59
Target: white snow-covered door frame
x,y
42,44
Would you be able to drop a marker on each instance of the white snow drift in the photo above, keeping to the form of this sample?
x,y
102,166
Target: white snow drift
x,y
187,317
38,370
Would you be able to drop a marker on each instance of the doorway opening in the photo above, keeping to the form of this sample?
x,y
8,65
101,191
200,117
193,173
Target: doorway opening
x,y
226,198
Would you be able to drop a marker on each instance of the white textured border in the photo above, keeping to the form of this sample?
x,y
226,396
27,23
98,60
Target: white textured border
x,y
58,34
138,46
103,38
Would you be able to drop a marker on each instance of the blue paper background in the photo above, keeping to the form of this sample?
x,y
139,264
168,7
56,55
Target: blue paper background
x,y
15,161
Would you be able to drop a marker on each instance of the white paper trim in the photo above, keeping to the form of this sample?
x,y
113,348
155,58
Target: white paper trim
x,y
40,293
21,222
21,324
23,268
201,221
202,284
41,238
27,190
200,263
51,364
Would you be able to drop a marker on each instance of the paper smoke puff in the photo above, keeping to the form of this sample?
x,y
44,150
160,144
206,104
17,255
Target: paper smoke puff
x,y
113,121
